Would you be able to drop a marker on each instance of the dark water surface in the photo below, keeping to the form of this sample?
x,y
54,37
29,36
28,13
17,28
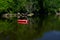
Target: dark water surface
x,y
52,35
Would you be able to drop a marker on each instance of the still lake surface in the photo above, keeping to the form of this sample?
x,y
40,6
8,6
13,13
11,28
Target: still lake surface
x,y
52,35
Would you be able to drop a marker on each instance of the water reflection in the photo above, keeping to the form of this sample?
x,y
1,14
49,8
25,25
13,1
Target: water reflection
x,y
52,35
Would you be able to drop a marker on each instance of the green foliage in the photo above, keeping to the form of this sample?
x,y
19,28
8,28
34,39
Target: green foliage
x,y
27,32
4,4
52,4
17,5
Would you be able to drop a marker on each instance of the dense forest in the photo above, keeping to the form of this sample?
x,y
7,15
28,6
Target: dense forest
x,y
46,18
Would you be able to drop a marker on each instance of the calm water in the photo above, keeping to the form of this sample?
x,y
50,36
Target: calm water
x,y
52,35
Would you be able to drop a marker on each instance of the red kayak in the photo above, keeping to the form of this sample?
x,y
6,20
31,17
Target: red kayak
x,y
23,21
